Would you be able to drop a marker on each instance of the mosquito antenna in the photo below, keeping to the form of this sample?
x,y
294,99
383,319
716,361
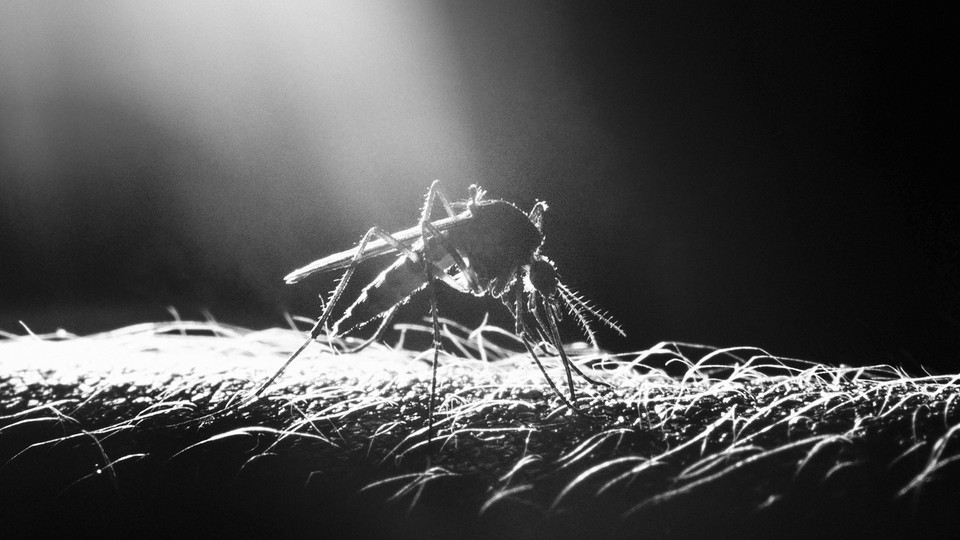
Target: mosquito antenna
x,y
572,298
582,321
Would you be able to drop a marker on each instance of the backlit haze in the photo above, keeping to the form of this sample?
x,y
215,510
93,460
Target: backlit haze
x,y
731,175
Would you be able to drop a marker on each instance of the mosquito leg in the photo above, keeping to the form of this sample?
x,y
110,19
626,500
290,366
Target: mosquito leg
x,y
436,357
551,314
590,380
435,272
552,336
426,226
335,297
555,334
469,274
376,335
432,194
521,330
542,328
543,370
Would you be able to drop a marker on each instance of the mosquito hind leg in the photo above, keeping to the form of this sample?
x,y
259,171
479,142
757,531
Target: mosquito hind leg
x,y
335,297
376,335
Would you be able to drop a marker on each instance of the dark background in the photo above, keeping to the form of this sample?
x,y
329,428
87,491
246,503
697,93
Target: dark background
x,y
724,173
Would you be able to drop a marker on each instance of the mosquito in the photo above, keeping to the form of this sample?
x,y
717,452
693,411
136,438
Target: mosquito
x,y
483,247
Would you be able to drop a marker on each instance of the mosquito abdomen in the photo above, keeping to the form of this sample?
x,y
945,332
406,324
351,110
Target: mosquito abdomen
x,y
394,286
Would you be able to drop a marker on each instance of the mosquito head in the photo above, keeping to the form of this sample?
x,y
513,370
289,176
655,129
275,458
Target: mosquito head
x,y
542,276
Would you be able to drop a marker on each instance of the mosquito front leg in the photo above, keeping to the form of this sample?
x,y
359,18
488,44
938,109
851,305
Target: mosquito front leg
x,y
337,293
432,194
555,334
426,226
521,330
550,334
434,272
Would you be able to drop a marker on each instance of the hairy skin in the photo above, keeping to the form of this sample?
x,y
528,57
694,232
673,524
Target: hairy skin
x,y
146,431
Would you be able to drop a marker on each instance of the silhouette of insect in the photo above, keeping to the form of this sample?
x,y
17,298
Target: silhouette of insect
x,y
483,247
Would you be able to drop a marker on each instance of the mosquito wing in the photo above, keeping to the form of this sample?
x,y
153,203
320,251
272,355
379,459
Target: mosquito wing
x,y
374,248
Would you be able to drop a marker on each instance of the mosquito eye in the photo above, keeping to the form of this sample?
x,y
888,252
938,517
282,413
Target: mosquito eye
x,y
543,277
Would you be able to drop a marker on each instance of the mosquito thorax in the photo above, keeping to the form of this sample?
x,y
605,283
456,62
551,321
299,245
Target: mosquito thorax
x,y
543,276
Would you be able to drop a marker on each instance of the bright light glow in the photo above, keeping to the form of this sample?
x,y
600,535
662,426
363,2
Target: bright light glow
x,y
217,120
